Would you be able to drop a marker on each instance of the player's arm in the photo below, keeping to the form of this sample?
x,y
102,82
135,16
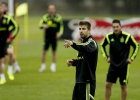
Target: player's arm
x,y
13,29
103,49
60,27
42,23
88,46
135,45
75,61
72,62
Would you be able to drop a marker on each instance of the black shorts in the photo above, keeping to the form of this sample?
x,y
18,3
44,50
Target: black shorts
x,y
114,73
9,45
2,50
81,89
50,42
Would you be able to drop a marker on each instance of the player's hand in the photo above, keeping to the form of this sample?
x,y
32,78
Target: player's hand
x,y
45,26
58,35
68,43
108,59
129,61
69,62
8,40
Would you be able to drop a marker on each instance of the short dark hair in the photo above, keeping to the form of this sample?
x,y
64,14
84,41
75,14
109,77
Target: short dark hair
x,y
116,21
85,23
5,3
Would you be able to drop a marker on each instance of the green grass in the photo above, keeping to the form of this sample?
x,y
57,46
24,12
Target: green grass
x,y
32,85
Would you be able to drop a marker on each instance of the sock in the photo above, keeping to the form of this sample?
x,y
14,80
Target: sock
x,y
43,65
2,76
15,64
53,65
10,69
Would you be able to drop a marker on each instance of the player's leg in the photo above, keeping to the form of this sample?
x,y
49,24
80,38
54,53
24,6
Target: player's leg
x,y
124,91
4,60
10,63
75,92
79,92
92,90
17,68
2,75
43,59
123,75
111,78
54,56
108,87
53,65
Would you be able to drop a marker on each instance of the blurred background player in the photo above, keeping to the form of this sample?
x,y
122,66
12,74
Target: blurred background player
x,y
8,31
53,25
9,47
119,49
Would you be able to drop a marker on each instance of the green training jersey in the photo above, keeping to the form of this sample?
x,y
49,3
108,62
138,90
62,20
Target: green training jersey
x,y
119,48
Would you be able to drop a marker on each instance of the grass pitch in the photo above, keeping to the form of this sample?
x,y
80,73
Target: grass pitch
x,y
32,85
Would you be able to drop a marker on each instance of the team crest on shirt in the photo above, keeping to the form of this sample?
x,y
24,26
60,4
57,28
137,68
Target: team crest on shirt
x,y
121,39
51,24
112,40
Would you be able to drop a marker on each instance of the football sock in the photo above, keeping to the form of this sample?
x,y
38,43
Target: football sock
x,y
10,69
43,65
53,65
2,76
15,64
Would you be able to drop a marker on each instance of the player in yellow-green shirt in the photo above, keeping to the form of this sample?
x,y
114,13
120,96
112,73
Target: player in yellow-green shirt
x,y
53,26
8,31
9,46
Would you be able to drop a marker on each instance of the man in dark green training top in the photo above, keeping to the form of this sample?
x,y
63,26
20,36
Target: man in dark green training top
x,y
8,31
10,56
53,25
85,63
119,49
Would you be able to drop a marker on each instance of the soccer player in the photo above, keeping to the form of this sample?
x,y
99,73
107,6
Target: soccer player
x,y
53,25
8,31
9,46
85,63
119,48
